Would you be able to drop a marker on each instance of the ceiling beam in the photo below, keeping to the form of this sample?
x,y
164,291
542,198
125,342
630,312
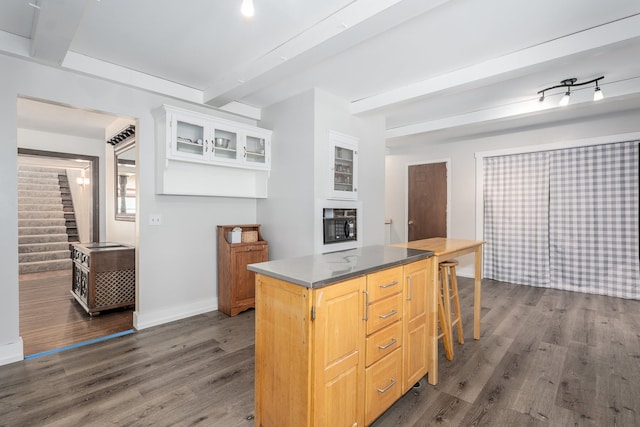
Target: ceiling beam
x,y
54,24
351,25
494,69
614,91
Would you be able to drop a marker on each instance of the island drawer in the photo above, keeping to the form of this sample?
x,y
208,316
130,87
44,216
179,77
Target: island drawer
x,y
383,313
383,342
384,283
383,385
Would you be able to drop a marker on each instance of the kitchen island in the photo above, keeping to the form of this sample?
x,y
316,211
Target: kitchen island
x,y
341,336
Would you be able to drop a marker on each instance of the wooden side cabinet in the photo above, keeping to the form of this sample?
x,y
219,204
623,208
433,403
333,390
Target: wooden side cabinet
x,y
104,276
236,284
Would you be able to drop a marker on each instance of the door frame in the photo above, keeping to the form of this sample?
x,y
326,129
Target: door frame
x,y
95,176
447,162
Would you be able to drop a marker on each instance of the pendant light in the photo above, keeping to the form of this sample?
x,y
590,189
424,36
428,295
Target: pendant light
x,y
247,8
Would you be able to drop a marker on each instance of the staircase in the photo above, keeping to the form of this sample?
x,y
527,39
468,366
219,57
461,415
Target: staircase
x,y
43,242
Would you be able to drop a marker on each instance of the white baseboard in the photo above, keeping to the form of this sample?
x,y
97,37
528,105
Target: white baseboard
x,y
12,352
467,272
148,319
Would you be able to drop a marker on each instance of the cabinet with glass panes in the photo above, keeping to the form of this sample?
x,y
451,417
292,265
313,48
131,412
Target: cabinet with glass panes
x,y
201,154
344,166
197,137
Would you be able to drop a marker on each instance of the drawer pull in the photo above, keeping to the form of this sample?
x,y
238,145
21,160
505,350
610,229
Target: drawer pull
x,y
382,390
391,313
388,285
386,346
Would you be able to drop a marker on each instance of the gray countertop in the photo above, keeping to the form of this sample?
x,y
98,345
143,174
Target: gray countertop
x,y
315,271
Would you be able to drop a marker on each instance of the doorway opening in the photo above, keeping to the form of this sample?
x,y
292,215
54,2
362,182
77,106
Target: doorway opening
x,y
63,194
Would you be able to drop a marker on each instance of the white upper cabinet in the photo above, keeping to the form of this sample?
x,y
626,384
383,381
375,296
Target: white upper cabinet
x,y
200,138
343,172
199,154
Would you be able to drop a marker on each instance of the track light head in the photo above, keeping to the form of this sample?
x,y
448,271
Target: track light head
x,y
541,97
247,8
597,94
566,98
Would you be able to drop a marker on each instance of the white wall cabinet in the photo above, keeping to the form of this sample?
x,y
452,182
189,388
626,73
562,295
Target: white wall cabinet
x,y
200,154
343,172
204,139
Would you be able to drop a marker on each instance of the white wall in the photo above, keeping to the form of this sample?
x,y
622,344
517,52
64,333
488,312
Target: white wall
x,y
291,216
463,176
286,215
176,261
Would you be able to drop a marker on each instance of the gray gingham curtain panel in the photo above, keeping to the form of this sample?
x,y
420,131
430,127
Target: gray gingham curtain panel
x,y
565,219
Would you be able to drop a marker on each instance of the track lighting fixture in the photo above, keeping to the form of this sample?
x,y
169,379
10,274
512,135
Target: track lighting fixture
x,y
568,84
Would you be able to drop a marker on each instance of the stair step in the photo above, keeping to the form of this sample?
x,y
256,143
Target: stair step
x,y
28,231
42,238
41,222
40,194
43,256
40,266
37,186
31,207
39,201
41,214
38,181
42,247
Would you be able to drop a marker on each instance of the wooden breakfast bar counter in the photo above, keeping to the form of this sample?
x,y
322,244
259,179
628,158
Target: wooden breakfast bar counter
x,y
445,249
341,336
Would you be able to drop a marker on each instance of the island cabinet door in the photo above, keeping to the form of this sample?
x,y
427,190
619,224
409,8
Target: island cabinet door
x,y
339,354
415,323
283,375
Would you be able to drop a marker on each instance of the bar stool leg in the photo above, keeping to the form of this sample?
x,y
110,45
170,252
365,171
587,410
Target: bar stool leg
x,y
445,317
456,304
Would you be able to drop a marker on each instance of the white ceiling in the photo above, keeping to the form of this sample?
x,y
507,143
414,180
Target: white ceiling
x,y
428,66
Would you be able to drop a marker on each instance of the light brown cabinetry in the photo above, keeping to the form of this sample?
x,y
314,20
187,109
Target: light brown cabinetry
x,y
337,355
236,284
309,354
383,378
415,323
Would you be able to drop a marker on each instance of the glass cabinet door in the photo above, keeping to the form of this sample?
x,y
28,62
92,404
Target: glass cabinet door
x,y
188,139
255,150
343,169
225,145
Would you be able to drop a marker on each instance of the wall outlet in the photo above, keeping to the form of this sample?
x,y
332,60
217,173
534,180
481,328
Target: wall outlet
x,y
155,219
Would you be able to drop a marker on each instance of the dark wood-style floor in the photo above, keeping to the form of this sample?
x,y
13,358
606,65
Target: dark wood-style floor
x,y
50,318
546,357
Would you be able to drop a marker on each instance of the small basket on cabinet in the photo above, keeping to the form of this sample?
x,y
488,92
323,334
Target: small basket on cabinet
x,y
249,236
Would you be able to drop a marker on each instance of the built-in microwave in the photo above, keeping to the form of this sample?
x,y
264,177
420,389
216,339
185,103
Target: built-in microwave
x,y
339,225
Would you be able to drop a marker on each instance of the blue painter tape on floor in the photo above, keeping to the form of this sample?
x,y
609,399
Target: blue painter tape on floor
x,y
80,344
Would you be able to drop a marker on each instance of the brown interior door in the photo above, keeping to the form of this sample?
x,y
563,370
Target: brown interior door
x,y
427,201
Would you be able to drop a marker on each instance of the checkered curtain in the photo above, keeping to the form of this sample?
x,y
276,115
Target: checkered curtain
x,y
516,218
594,220
565,219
